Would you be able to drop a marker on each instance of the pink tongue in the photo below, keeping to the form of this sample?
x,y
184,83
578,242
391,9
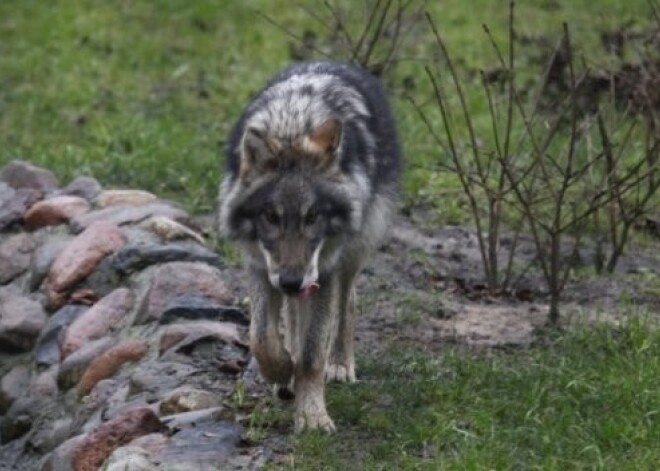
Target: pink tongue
x,y
308,291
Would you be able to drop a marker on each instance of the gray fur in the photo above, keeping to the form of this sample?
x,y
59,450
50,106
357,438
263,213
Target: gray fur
x,y
312,175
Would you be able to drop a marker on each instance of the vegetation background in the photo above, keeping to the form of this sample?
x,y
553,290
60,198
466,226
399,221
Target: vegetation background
x,y
143,94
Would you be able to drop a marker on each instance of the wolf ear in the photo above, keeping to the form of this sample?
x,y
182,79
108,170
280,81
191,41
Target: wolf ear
x,y
258,152
325,139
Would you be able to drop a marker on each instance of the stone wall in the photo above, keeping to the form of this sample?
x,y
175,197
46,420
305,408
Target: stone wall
x,y
120,341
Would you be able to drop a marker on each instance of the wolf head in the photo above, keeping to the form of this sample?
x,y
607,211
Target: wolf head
x,y
289,203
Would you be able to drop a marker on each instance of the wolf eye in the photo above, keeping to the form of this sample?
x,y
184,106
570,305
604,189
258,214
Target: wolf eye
x,y
271,216
311,217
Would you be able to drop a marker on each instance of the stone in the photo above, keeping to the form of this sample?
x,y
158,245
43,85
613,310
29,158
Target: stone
x,y
194,418
20,416
15,254
177,278
20,174
47,348
73,367
109,362
167,229
78,259
151,443
124,198
174,334
61,458
13,385
21,321
129,458
14,203
90,453
195,307
44,384
205,446
123,215
54,211
85,187
136,257
43,257
160,376
101,319
51,434
187,399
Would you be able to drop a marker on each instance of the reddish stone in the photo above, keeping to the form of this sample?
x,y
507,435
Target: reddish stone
x,y
75,365
125,214
177,278
104,317
54,211
109,362
80,257
90,453
176,333
124,197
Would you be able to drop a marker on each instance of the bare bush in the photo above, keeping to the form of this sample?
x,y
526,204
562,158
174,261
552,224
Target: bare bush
x,y
370,33
549,175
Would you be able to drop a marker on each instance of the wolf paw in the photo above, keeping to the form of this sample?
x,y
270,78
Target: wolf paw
x,y
314,421
340,373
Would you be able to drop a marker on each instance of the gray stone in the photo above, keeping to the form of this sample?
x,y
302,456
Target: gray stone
x,y
48,434
21,415
85,187
194,418
61,458
158,377
136,257
122,215
129,458
47,348
13,385
74,365
21,321
20,174
187,399
196,307
15,255
43,258
14,203
206,446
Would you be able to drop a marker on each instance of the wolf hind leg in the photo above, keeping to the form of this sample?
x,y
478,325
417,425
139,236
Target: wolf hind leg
x,y
266,341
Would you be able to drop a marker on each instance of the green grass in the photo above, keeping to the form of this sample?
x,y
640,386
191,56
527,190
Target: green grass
x,y
588,399
142,94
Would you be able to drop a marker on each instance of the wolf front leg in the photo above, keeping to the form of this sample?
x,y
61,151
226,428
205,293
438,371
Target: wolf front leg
x,y
320,318
266,342
341,367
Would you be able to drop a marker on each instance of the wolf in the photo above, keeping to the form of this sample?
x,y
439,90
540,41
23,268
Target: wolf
x,y
312,175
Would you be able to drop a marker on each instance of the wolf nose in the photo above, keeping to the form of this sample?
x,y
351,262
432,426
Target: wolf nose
x,y
290,284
